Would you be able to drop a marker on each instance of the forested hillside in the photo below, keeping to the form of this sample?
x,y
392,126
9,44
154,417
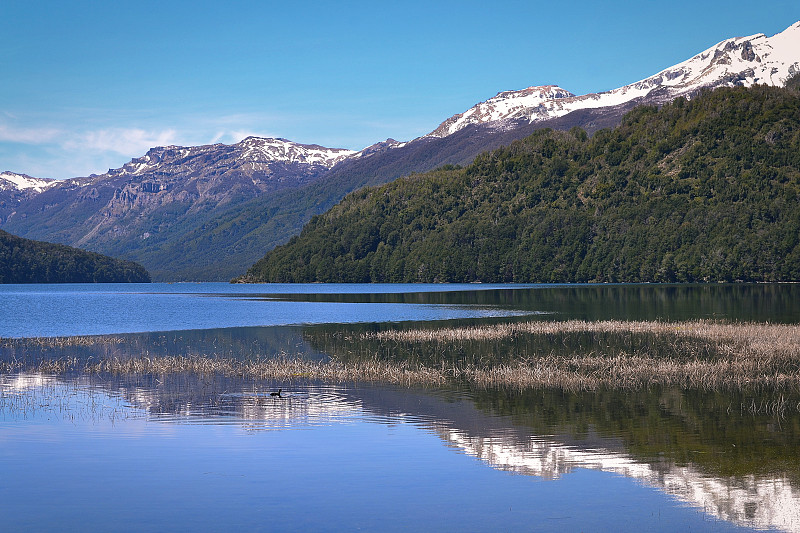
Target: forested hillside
x,y
700,190
27,261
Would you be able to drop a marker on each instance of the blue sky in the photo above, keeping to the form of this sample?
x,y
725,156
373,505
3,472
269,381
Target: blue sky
x,y
86,86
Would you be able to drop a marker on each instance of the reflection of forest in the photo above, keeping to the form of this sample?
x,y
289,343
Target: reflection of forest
x,y
709,450
706,449
772,302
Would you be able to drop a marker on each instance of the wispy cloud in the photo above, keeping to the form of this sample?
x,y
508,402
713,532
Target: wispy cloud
x,y
86,141
47,151
126,141
235,127
36,135
120,140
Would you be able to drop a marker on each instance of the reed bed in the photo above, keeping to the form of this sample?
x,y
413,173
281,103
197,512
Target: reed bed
x,y
59,342
763,336
282,368
576,373
632,372
732,356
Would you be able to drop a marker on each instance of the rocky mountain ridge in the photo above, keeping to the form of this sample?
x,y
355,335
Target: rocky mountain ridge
x,y
746,61
200,204
209,174
11,181
134,211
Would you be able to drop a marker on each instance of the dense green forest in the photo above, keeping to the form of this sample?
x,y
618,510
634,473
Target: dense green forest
x,y
27,261
699,190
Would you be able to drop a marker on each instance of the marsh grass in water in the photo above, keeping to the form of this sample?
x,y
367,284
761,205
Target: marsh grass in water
x,y
570,355
584,355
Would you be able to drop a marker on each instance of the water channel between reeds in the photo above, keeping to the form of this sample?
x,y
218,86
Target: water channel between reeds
x,y
428,407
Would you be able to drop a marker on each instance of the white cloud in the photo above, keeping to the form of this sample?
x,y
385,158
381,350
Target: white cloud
x,y
40,135
45,151
127,141
217,138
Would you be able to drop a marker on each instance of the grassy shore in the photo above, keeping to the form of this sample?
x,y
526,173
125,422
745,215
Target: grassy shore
x,y
705,355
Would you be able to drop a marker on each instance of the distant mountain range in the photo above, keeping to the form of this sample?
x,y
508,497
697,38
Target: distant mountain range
x,y
209,212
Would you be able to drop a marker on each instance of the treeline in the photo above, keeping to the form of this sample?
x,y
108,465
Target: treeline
x,y
700,190
27,261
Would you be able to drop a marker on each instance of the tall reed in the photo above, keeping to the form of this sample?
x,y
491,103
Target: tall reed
x,y
572,355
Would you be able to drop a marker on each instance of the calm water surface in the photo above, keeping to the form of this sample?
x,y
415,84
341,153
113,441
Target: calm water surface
x,y
213,453
85,309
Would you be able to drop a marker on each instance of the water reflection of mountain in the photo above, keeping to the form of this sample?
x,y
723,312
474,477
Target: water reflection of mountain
x,y
707,450
748,474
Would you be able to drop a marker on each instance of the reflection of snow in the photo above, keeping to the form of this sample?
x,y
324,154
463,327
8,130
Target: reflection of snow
x,y
22,382
253,409
29,396
748,501
316,406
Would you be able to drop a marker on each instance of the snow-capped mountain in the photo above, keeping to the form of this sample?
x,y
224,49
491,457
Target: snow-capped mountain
x,y
16,189
10,181
165,194
187,212
757,59
506,105
268,164
253,154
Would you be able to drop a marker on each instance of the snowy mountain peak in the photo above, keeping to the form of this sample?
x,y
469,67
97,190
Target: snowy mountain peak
x,y
747,61
19,182
291,152
254,153
505,105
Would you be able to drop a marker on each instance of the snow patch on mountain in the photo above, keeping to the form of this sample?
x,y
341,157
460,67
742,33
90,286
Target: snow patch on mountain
x,y
379,147
252,153
505,105
256,148
13,181
747,61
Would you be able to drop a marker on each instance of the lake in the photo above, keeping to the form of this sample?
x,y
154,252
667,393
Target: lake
x,y
183,451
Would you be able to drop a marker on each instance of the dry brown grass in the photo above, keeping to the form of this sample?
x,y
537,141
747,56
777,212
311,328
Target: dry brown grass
x,y
764,336
745,356
59,342
280,368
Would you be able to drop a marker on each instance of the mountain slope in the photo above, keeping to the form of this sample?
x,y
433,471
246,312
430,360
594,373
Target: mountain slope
x,y
27,261
18,188
208,212
704,190
741,61
137,210
284,215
